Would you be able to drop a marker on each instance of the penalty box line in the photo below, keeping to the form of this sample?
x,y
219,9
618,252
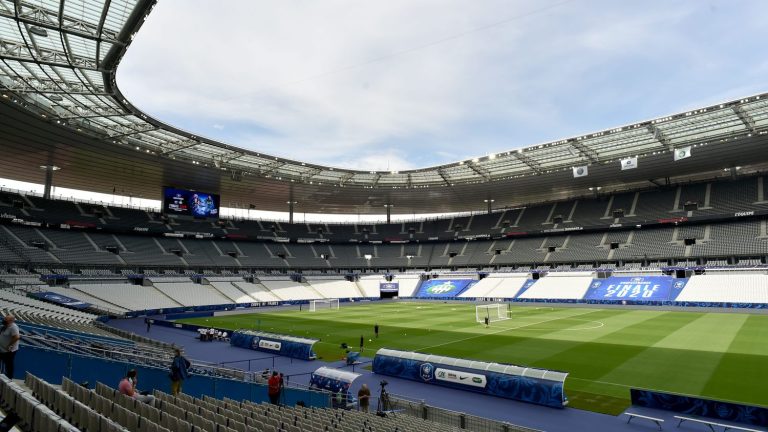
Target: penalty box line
x,y
502,331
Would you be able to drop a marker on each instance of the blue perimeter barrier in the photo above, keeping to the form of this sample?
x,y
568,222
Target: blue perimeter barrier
x,y
53,365
186,310
730,411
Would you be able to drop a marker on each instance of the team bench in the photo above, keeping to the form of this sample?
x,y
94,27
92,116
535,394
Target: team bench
x,y
712,424
632,416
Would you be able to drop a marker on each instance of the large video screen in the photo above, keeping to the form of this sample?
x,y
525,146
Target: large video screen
x,y
443,287
190,203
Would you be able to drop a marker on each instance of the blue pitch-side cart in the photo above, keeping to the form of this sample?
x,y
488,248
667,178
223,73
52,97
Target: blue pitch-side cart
x,y
284,345
336,381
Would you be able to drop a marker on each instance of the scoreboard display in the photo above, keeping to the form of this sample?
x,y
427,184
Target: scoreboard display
x,y
190,203
657,288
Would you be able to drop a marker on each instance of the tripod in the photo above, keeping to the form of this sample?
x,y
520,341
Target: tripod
x,y
383,405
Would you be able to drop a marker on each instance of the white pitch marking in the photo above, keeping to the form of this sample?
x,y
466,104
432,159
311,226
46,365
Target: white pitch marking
x,y
500,331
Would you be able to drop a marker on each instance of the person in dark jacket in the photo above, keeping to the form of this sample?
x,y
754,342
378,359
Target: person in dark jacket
x,y
179,372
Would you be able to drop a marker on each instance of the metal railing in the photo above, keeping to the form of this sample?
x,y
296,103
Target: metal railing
x,y
402,405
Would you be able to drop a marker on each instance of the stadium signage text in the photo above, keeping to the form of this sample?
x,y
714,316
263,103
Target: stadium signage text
x,y
552,230
270,345
744,213
458,377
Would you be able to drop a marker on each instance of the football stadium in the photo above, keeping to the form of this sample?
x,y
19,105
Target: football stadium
x,y
153,279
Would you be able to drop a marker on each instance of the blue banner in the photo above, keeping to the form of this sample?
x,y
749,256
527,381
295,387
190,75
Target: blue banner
x,y
62,300
634,288
443,287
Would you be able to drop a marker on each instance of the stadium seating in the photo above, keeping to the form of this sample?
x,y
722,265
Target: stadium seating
x,y
334,287
726,288
286,289
561,286
369,285
128,296
723,197
497,285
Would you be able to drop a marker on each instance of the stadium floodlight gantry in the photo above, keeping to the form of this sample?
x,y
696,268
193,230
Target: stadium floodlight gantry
x,y
330,304
58,63
493,312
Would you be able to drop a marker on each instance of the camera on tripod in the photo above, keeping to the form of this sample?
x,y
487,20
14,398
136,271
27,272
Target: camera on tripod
x,y
383,383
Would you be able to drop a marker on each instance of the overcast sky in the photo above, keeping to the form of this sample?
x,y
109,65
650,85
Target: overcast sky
x,y
400,84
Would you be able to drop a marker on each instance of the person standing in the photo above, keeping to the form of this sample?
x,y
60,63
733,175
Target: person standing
x,y
376,330
364,397
9,343
273,388
487,322
179,372
362,342
149,324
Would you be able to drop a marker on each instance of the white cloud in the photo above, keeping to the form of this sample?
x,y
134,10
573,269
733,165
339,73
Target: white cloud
x,y
402,84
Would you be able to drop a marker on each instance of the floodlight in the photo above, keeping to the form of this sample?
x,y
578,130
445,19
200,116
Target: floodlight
x,y
38,31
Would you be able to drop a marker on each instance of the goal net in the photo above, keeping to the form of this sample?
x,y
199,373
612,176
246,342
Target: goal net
x,y
494,312
315,305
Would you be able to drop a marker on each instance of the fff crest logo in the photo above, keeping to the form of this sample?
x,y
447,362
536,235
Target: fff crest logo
x,y
426,371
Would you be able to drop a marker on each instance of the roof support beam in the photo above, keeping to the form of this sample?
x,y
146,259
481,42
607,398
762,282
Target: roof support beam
x,y
272,167
311,173
35,15
132,132
532,164
585,151
745,118
181,145
347,177
376,180
660,136
444,176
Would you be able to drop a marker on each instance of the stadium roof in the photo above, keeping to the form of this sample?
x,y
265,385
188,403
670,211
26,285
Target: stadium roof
x,y
58,61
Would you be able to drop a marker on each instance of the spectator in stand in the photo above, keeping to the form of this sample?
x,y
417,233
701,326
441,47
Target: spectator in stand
x,y
9,343
282,386
179,372
211,334
364,397
128,387
273,388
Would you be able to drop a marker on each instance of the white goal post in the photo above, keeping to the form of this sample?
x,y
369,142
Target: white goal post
x,y
494,312
315,305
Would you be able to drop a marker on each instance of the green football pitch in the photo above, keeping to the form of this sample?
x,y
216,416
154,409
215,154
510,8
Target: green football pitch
x,y
605,351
